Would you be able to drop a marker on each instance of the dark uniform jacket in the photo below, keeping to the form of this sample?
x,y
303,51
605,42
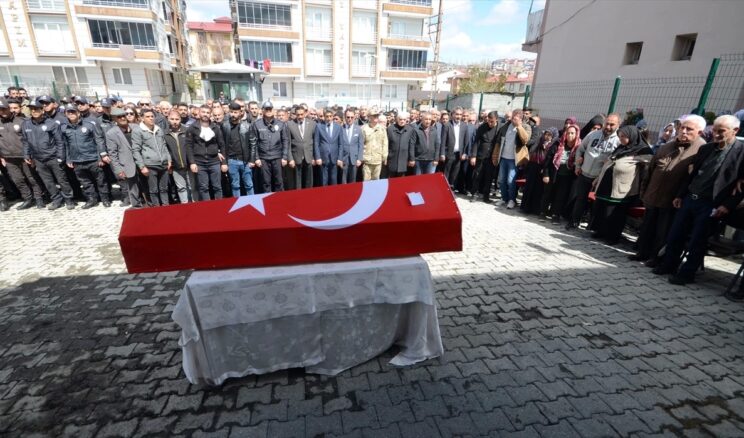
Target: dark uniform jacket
x,y
83,142
270,139
42,140
11,145
400,147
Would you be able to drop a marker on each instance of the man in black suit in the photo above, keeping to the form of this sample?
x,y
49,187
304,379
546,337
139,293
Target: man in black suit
x,y
707,196
455,148
301,152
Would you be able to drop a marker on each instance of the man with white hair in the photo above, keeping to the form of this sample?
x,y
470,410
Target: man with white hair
x,y
161,116
400,146
667,170
704,198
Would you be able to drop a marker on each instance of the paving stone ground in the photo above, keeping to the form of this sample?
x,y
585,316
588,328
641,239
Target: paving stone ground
x,y
546,333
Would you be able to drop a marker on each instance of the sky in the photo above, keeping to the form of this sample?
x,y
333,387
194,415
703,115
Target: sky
x,y
472,30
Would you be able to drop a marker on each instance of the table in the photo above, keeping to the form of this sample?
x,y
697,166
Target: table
x,y
325,317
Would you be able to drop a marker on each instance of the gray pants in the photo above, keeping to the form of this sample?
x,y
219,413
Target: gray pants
x,y
132,189
186,186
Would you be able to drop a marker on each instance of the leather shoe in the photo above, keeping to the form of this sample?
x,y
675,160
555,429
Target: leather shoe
x,y
40,204
55,205
4,206
661,270
106,203
70,204
26,205
680,280
89,204
637,258
652,263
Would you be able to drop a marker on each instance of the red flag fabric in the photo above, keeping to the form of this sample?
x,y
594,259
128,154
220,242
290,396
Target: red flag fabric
x,y
375,219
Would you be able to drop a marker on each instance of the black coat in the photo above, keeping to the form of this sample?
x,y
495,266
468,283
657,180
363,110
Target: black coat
x,y
247,151
205,152
400,147
181,156
423,150
730,171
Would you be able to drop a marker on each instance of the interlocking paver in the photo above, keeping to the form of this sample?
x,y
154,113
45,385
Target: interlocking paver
x,y
545,332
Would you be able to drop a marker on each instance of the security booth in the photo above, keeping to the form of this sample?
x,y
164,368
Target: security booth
x,y
231,78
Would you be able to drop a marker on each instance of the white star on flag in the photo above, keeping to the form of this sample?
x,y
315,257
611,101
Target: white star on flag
x,y
255,201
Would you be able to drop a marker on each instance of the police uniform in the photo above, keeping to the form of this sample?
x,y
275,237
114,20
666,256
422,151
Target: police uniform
x,y
271,140
17,170
84,149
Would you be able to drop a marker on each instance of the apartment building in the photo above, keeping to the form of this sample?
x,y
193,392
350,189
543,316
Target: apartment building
x,y
337,52
131,48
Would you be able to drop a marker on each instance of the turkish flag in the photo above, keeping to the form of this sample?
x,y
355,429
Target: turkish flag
x,y
375,219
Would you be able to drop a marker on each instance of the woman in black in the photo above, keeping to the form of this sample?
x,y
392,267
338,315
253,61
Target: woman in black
x,y
558,174
533,188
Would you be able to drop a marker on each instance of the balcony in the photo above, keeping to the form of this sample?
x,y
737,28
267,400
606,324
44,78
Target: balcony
x,y
364,4
286,34
324,69
406,40
319,33
46,6
534,29
409,7
284,69
364,70
140,4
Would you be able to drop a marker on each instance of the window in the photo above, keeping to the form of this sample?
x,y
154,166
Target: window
x,y
684,45
120,3
122,76
413,2
280,89
363,61
46,5
70,75
399,59
359,91
364,27
260,50
632,53
406,28
389,91
317,90
264,15
318,23
53,35
116,33
318,59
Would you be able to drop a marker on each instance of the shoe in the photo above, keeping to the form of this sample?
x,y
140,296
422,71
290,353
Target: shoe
x,y
70,204
106,204
637,258
4,206
26,205
500,202
736,297
570,226
680,280
89,204
40,204
652,263
555,219
125,203
55,205
510,205
487,200
661,270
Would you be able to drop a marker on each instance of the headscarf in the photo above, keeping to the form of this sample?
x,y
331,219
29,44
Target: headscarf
x,y
599,119
538,152
636,144
661,134
572,121
562,147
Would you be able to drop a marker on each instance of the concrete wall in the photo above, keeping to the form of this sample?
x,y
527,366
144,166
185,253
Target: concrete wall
x,y
491,102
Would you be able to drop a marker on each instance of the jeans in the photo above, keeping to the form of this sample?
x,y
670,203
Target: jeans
x,y
157,182
507,180
91,177
425,167
209,175
239,171
693,217
185,181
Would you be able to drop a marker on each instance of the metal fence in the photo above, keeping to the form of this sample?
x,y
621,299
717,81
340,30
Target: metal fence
x,y
662,99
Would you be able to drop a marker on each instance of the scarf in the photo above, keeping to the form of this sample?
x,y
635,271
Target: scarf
x,y
206,134
562,147
599,119
540,150
636,144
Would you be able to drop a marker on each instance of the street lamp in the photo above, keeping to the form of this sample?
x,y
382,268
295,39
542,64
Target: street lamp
x,y
369,57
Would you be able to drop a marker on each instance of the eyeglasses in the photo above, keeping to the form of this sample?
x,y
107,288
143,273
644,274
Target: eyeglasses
x,y
129,113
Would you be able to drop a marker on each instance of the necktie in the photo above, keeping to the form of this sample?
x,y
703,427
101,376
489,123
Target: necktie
x,y
329,130
302,129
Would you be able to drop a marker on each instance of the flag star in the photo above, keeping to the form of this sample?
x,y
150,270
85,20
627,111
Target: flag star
x,y
255,201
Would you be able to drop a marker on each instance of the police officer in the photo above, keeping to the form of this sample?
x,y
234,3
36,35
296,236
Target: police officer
x,y
270,137
86,154
43,148
51,109
11,156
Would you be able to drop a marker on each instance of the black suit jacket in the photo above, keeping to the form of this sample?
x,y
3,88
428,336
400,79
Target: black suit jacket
x,y
301,147
448,147
729,172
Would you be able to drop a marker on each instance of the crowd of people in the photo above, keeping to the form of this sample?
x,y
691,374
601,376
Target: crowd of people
x,y
54,152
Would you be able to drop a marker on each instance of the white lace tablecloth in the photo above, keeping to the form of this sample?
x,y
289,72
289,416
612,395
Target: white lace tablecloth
x,y
326,317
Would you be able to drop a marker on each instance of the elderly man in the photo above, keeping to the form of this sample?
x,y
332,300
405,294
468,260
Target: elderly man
x,y
666,172
595,149
119,146
328,149
161,117
704,198
352,142
401,155
375,146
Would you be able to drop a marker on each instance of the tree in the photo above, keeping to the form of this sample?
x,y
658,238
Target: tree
x,y
478,82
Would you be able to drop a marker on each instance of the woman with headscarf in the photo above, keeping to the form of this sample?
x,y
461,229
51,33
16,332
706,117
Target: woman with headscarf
x,y
558,173
533,188
618,184
594,124
666,135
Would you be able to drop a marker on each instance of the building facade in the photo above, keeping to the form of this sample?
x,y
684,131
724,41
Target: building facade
x,y
337,52
662,51
130,48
